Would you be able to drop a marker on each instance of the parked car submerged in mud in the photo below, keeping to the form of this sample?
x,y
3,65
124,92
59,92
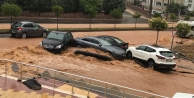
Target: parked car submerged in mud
x,y
57,41
155,56
115,41
25,29
103,45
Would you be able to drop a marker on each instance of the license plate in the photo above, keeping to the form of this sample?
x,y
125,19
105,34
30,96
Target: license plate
x,y
168,60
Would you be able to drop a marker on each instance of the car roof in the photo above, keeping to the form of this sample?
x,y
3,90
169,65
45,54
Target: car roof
x,y
62,32
24,22
159,48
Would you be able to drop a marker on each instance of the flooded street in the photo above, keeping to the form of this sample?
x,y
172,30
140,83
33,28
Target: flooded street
x,y
126,72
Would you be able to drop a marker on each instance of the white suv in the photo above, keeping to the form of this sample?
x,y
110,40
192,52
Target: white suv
x,y
155,56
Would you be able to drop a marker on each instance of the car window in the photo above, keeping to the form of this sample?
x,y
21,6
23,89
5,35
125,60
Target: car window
x,y
58,36
105,43
148,49
141,47
87,39
109,40
118,40
17,24
95,41
66,37
167,53
69,35
28,25
35,25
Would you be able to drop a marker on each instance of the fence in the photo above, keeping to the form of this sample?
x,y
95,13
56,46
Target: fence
x,y
54,77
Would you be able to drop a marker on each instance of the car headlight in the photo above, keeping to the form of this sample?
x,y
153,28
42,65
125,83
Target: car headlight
x,y
40,44
58,47
118,52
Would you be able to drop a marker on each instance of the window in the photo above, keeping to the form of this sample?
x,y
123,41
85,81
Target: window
x,y
16,24
165,4
189,0
57,36
158,3
35,25
28,25
69,35
66,37
148,49
189,5
141,47
167,53
87,39
109,40
95,41
118,40
106,43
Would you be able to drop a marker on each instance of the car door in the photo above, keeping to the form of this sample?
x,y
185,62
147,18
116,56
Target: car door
x,y
86,42
28,29
138,52
96,44
147,53
37,31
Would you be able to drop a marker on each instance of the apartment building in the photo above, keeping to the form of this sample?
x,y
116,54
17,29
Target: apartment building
x,y
159,5
190,4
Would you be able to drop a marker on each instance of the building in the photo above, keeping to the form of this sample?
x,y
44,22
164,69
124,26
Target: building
x,y
159,5
190,4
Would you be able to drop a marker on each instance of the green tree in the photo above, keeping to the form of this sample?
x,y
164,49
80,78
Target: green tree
x,y
182,30
155,15
57,9
91,7
174,8
116,14
12,10
187,17
109,5
136,16
173,17
157,24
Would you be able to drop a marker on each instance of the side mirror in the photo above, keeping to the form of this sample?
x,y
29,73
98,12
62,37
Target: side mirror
x,y
136,48
100,45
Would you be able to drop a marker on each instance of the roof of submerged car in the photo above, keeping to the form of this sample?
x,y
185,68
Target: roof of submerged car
x,y
159,48
62,32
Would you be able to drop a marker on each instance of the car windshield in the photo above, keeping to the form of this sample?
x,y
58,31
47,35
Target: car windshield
x,y
16,24
105,43
119,40
167,53
55,35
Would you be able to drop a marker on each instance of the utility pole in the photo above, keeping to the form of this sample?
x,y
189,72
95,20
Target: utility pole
x,y
150,11
167,10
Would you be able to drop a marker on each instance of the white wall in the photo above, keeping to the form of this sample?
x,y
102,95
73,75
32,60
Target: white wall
x,y
192,5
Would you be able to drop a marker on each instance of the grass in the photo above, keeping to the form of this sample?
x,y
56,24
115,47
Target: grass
x,y
6,31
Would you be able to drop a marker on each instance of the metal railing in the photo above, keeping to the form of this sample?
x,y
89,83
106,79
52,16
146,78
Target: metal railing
x,y
54,78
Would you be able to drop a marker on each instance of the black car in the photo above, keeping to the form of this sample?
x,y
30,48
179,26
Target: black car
x,y
57,41
114,51
25,29
115,41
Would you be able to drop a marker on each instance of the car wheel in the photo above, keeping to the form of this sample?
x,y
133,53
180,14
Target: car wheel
x,y
44,34
191,36
109,53
79,46
129,55
24,35
151,63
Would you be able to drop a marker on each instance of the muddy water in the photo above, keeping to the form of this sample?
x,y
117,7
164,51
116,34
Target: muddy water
x,y
125,72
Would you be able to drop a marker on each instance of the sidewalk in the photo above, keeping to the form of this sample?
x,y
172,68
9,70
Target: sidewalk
x,y
7,26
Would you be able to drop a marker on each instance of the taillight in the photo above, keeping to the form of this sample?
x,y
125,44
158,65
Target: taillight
x,y
174,58
160,57
19,28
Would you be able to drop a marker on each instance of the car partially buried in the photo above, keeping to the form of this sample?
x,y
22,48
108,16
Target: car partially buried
x,y
103,45
57,41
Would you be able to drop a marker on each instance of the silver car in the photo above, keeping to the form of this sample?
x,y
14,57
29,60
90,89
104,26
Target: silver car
x,y
25,29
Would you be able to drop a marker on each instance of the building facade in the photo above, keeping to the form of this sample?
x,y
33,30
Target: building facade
x,y
190,4
159,5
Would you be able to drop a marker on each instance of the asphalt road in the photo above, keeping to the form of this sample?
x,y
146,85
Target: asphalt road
x,y
127,19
